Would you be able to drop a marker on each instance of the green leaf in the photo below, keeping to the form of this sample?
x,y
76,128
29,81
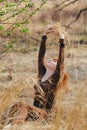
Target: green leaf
x,y
24,30
1,27
2,13
29,4
10,5
17,24
8,47
1,0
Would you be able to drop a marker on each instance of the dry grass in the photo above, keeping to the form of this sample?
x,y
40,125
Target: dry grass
x,y
70,109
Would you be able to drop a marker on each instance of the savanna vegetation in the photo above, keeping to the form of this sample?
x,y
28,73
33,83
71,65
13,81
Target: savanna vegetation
x,y
22,23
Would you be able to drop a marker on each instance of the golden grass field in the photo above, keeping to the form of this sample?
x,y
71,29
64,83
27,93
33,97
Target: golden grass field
x,y
70,108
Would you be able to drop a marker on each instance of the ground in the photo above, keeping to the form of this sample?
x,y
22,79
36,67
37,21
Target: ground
x,y
18,73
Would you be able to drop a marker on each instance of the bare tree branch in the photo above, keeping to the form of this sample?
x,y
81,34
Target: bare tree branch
x,y
57,6
72,2
65,4
81,11
77,17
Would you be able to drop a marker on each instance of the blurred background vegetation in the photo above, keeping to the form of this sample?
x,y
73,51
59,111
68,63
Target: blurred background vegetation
x,y
22,22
